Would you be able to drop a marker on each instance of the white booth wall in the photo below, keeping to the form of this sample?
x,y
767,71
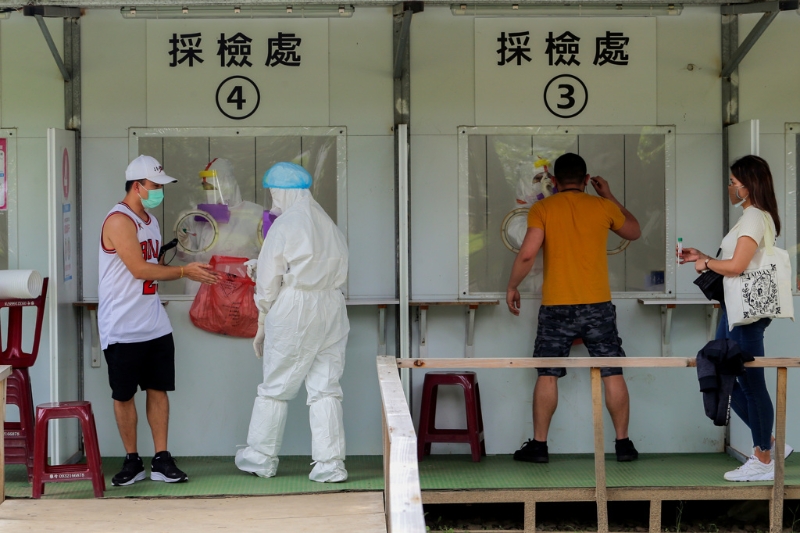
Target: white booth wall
x,y
31,100
666,407
217,376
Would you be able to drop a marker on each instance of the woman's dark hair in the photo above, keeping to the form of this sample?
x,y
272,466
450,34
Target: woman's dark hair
x,y
754,174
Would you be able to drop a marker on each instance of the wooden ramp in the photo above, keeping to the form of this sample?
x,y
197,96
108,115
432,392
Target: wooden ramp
x,y
345,512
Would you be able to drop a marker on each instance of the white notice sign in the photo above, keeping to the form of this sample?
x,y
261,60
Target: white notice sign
x,y
237,73
554,71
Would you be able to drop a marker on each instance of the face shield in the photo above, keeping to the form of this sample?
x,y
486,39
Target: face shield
x,y
220,188
219,183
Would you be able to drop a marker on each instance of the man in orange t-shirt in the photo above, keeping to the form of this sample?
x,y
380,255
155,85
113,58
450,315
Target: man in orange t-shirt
x,y
572,228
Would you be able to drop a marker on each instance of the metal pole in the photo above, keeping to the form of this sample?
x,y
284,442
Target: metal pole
x,y
730,104
401,136
52,46
736,58
402,44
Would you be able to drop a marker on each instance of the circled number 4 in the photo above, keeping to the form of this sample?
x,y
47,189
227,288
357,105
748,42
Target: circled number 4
x,y
569,90
237,97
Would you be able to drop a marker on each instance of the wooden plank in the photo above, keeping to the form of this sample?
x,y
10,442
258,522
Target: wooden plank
x,y
581,362
404,496
546,362
5,371
599,452
386,472
509,495
737,491
776,502
355,512
655,516
774,362
529,517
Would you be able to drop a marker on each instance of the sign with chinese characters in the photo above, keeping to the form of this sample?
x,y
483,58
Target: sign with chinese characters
x,y
222,73
552,71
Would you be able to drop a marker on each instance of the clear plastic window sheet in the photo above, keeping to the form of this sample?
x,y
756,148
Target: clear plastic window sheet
x,y
501,175
184,152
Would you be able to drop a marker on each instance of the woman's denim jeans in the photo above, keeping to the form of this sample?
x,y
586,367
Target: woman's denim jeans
x,y
750,398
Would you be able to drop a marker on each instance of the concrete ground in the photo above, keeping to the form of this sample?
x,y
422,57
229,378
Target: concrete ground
x,y
355,512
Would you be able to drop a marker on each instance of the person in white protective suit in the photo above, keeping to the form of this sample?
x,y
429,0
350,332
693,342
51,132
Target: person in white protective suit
x,y
238,237
302,316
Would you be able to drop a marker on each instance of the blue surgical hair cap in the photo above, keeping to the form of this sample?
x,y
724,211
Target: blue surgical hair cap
x,y
286,176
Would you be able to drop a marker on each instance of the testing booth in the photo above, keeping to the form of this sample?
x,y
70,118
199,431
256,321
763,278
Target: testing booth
x,y
428,128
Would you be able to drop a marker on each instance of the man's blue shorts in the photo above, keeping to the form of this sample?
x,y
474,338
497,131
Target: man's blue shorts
x,y
560,325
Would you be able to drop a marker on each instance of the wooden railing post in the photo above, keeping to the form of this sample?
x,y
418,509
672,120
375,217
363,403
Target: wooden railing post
x,y
776,500
599,452
387,453
403,498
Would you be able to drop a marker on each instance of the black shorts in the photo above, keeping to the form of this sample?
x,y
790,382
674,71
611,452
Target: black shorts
x,y
595,324
149,365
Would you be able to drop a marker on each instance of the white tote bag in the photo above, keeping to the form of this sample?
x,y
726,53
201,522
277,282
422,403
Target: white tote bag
x,y
764,290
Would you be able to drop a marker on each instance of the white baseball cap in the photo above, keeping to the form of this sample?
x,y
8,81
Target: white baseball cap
x,y
145,167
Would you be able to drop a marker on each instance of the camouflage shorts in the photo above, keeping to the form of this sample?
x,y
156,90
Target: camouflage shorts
x,y
560,325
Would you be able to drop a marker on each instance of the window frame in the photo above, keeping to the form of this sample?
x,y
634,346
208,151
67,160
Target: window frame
x,y
340,132
463,132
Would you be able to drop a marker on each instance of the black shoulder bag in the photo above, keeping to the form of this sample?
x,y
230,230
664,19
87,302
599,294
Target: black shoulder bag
x,y
710,283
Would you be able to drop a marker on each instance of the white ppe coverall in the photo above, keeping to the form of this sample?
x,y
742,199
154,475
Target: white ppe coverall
x,y
301,267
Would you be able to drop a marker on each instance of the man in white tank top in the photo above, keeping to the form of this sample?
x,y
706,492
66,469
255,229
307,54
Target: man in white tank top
x,y
135,332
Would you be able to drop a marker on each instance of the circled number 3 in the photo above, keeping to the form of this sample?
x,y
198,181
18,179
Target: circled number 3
x,y
568,91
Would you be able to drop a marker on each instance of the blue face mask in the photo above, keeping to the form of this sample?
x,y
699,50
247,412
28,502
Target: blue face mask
x,y
154,198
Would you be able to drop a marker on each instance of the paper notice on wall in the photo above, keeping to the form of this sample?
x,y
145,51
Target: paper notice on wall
x,y
3,177
66,215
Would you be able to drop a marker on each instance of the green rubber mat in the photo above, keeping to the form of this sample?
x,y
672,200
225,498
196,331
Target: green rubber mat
x,y
211,476
214,476
451,472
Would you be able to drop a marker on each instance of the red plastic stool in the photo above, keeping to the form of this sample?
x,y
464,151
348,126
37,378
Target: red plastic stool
x,y
19,435
92,469
427,418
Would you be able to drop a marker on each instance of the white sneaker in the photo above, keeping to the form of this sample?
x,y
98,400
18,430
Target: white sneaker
x,y
752,470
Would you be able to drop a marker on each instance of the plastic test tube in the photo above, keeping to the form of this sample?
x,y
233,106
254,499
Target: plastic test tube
x,y
680,249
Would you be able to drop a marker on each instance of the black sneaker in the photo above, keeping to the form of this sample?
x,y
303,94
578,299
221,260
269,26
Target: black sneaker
x,y
132,471
163,468
532,451
625,450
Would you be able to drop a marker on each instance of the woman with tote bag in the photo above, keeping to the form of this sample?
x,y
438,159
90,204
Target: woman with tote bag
x,y
750,188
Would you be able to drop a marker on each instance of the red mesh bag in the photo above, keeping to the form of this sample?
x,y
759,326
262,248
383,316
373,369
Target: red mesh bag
x,y
227,307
